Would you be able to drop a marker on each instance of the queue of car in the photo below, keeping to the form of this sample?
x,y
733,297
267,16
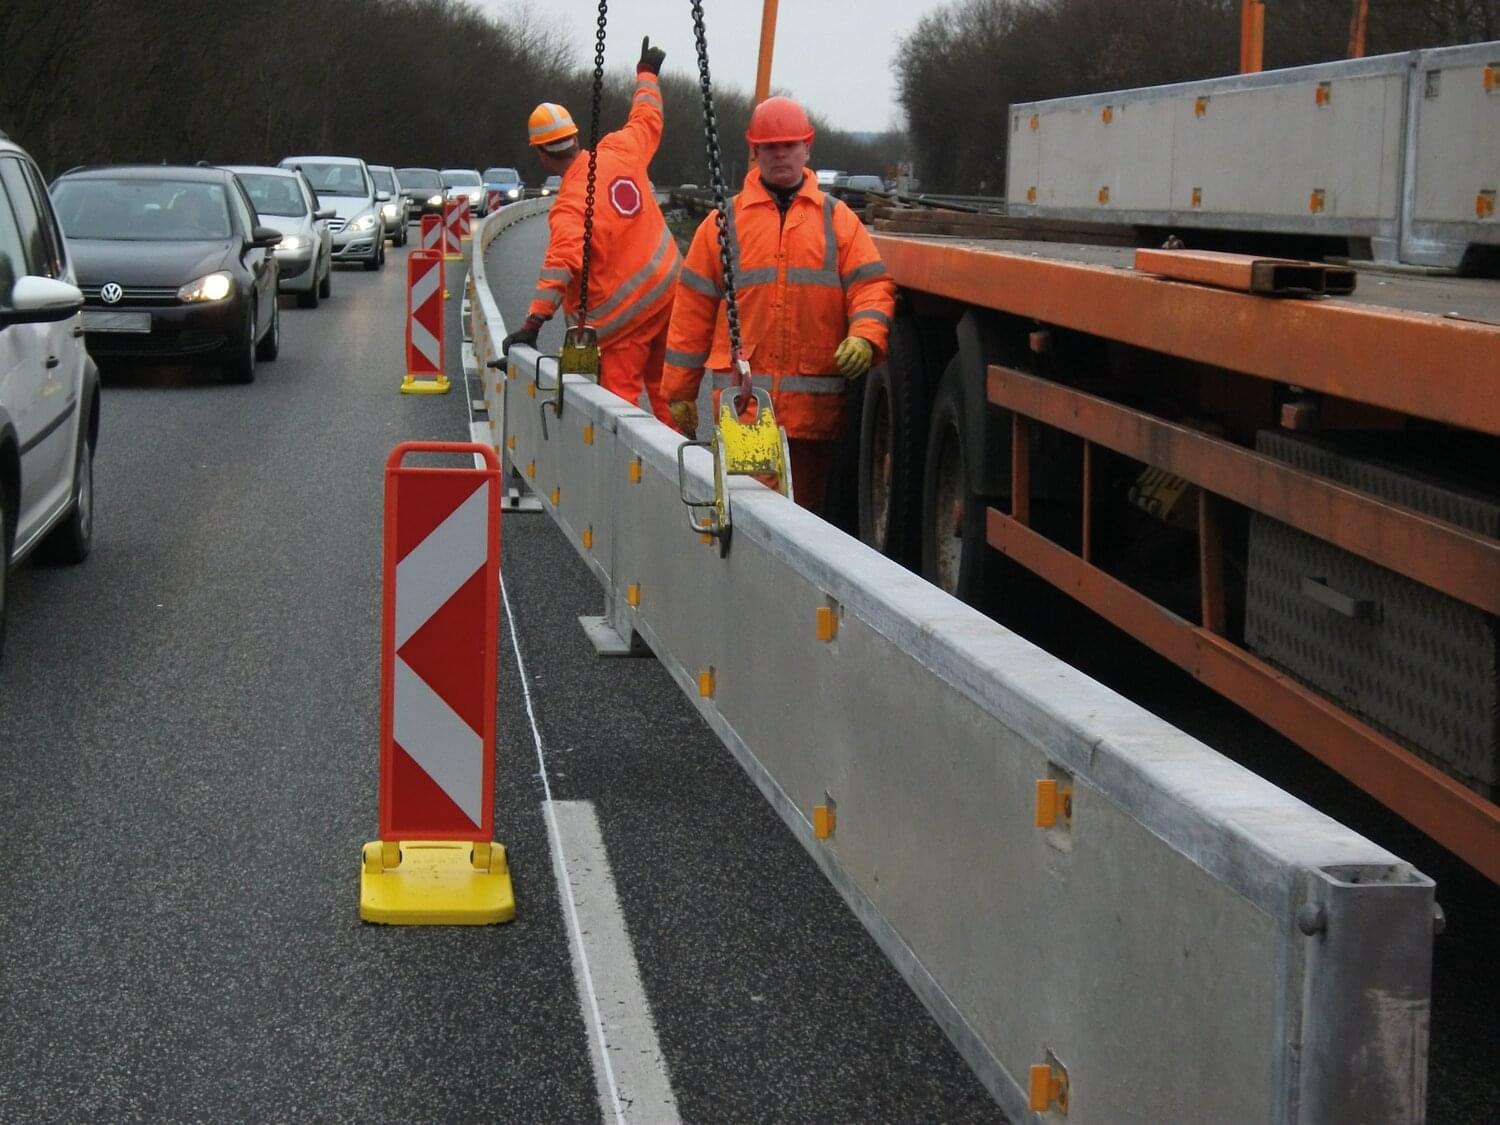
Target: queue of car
x,y
160,263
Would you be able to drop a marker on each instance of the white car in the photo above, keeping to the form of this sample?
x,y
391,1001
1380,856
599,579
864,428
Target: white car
x,y
49,388
285,202
344,183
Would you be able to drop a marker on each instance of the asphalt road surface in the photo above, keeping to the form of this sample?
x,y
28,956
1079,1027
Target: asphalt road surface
x,y
188,767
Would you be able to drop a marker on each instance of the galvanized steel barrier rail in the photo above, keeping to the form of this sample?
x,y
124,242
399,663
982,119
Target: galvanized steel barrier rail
x,y
1184,942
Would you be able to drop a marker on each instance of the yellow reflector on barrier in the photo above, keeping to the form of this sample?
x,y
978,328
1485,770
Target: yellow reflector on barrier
x,y
633,596
706,684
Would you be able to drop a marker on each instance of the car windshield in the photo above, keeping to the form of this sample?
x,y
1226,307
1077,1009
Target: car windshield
x,y
132,210
384,181
501,176
422,179
335,179
553,181
461,179
273,195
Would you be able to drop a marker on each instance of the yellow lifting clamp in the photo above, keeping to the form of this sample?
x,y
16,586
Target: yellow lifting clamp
x,y
579,356
756,447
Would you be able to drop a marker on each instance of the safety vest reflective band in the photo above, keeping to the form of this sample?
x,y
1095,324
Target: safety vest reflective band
x,y
797,384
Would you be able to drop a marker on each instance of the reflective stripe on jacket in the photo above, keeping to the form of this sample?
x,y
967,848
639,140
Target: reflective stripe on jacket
x,y
802,284
634,260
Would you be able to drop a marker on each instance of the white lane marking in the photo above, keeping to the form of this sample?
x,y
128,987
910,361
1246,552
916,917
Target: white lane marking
x,y
648,1070
583,874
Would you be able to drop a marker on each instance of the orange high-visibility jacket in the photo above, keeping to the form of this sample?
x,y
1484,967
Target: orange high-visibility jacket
x,y
802,285
634,260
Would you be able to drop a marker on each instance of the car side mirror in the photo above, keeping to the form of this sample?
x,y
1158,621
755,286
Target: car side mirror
x,y
324,213
263,238
382,197
40,300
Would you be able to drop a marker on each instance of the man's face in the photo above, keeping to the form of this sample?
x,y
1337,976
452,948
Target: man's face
x,y
781,163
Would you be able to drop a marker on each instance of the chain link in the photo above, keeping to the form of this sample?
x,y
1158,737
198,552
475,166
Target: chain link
x,y
588,203
716,181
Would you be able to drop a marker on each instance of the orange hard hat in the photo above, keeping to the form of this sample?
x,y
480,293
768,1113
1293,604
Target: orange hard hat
x,y
776,120
550,125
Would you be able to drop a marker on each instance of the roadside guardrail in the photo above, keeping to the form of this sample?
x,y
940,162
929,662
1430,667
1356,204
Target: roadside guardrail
x,y
1109,919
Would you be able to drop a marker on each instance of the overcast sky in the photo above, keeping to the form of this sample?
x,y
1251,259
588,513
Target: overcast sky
x,y
835,55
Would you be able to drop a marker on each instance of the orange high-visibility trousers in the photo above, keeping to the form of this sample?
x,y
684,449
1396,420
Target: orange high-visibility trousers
x,y
631,362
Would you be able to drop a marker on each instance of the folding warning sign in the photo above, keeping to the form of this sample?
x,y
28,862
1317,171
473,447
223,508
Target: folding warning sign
x,y
493,199
424,325
432,239
435,861
453,210
464,219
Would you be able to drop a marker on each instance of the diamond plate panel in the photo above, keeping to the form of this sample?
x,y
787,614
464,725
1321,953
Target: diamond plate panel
x,y
1425,669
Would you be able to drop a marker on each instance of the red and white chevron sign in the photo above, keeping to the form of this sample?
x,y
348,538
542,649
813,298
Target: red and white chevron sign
x,y
493,200
424,314
454,211
440,632
432,233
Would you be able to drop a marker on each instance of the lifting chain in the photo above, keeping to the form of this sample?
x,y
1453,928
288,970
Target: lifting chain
x,y
588,202
716,181
580,349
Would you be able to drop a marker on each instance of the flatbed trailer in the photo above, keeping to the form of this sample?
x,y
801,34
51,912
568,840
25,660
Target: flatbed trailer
x,y
1046,404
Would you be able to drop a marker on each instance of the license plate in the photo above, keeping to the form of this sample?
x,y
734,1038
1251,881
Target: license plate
x,y
100,320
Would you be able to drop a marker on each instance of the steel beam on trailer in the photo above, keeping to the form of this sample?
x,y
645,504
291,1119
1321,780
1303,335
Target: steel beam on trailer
x,y
1414,363
1453,815
1442,555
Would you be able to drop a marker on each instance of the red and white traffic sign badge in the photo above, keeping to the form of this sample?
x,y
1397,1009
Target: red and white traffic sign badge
x,y
464,219
424,324
453,212
625,197
435,860
494,200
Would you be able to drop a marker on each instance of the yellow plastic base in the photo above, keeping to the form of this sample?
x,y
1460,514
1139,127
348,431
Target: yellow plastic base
x,y
453,257
421,385
435,884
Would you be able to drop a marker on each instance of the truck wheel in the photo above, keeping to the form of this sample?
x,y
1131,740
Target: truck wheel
x,y
954,551
893,433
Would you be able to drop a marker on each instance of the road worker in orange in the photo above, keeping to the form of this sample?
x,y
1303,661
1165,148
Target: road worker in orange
x,y
815,300
633,259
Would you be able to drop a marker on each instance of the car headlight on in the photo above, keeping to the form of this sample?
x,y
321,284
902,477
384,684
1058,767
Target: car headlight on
x,y
513,193
363,223
209,287
388,210
546,191
291,243
435,201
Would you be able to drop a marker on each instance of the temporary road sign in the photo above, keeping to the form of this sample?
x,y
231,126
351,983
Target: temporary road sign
x,y
453,248
432,239
424,325
435,861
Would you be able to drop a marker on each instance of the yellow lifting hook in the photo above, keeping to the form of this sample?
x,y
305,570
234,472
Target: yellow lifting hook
x,y
756,447
579,356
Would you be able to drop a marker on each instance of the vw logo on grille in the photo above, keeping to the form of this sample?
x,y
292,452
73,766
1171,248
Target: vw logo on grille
x,y
111,293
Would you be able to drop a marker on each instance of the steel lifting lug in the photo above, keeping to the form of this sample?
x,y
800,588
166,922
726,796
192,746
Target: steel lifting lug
x,y
714,521
555,403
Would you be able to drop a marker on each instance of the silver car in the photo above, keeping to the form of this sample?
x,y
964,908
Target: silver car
x,y
286,203
396,212
466,184
344,183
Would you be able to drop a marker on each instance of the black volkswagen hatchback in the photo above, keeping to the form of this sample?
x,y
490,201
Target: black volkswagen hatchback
x,y
174,266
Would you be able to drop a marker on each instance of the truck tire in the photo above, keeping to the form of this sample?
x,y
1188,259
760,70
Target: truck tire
x,y
955,556
893,437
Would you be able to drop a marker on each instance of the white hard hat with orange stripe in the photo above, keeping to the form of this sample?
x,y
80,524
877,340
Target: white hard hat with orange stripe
x,y
551,127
